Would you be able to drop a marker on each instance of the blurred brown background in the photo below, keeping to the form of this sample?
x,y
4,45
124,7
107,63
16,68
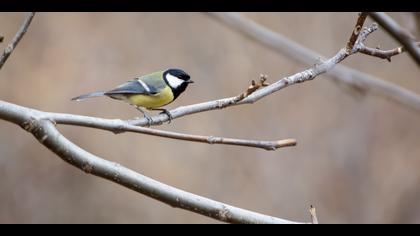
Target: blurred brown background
x,y
357,159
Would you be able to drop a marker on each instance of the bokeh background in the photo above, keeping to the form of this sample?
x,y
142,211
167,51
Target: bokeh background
x,y
357,159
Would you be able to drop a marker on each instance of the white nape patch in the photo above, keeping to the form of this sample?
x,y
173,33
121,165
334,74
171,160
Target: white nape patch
x,y
173,81
145,86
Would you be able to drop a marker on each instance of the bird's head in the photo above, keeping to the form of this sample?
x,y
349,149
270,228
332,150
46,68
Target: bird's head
x,y
177,80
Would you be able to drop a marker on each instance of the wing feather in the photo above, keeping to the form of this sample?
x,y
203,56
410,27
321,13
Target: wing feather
x,y
133,87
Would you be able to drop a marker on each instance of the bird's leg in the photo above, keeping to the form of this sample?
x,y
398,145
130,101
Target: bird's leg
x,y
149,119
164,111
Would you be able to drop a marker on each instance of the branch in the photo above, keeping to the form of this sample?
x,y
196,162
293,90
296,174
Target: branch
x,y
357,29
342,74
384,54
267,145
398,33
9,49
252,88
119,126
44,130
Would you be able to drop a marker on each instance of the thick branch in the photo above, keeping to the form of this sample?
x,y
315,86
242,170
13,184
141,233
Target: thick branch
x,y
398,33
342,74
44,130
19,35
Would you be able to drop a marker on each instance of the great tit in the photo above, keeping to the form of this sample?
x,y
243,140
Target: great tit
x,y
150,91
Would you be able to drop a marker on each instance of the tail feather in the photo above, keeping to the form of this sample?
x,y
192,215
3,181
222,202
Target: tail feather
x,y
88,95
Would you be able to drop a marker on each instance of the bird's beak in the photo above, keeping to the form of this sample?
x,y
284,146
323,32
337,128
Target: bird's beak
x,y
190,81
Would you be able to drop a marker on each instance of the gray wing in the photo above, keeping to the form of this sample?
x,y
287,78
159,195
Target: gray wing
x,y
133,87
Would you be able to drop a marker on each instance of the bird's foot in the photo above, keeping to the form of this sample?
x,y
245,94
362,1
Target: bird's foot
x,y
148,118
168,113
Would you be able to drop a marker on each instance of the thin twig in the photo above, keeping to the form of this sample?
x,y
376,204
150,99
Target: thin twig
x,y
312,211
9,49
46,133
267,145
356,31
341,74
252,88
398,33
363,36
384,54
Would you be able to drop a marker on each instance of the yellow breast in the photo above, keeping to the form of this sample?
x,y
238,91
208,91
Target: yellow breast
x,y
152,101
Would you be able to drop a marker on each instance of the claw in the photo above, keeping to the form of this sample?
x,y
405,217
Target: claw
x,y
149,119
170,117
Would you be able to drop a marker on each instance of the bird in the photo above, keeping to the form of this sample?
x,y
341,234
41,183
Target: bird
x,y
151,91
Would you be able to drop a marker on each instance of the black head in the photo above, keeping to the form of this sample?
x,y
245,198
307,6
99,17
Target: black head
x,y
177,80
178,73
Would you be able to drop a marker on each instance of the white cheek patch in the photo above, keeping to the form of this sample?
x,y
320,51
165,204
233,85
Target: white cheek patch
x,y
173,81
